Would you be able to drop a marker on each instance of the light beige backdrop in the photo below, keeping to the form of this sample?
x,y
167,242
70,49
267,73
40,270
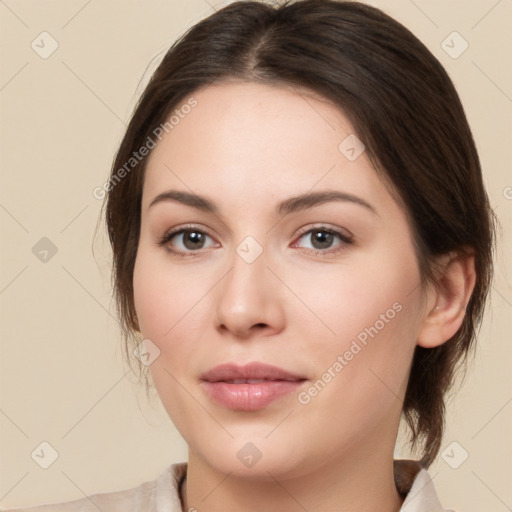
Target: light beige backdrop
x,y
71,73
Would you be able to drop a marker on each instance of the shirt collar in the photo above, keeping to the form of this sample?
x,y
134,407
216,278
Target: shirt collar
x,y
415,484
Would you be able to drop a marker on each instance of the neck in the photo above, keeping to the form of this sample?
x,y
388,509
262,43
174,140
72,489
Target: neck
x,y
362,483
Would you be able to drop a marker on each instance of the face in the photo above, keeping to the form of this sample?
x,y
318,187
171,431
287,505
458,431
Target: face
x,y
327,290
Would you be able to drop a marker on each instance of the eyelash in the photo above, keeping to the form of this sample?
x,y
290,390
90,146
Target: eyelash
x,y
347,240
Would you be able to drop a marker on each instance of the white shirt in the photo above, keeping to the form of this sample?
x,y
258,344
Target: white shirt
x,y
162,494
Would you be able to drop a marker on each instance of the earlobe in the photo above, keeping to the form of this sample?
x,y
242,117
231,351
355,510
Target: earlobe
x,y
448,299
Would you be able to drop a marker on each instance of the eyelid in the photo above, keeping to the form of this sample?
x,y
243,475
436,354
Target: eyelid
x,y
345,233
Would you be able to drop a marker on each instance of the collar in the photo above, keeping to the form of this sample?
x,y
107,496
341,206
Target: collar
x,y
414,483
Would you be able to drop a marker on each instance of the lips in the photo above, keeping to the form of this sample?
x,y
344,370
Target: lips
x,y
250,387
250,373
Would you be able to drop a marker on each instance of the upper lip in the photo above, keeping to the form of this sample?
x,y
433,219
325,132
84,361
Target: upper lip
x,y
255,370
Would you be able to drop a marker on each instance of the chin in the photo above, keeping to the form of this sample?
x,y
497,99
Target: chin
x,y
255,459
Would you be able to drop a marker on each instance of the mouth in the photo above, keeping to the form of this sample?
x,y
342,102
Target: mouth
x,y
254,371
252,381
250,387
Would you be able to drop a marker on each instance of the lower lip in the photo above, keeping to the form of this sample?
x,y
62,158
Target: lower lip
x,y
250,397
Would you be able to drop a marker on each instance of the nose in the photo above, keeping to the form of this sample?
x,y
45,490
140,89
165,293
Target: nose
x,y
249,299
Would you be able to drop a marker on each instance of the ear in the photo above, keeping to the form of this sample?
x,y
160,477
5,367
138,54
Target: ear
x,y
447,301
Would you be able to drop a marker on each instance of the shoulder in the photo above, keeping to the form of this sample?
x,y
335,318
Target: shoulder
x,y
416,486
160,494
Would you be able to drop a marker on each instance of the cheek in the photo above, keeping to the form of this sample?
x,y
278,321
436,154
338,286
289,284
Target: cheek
x,y
366,313
163,294
343,300
172,307
361,370
164,303
150,306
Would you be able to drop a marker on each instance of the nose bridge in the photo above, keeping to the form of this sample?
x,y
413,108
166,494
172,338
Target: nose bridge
x,y
248,279
249,296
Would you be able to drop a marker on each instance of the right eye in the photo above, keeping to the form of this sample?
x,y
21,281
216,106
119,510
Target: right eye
x,y
189,240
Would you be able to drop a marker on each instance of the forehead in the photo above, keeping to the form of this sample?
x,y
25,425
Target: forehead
x,y
246,141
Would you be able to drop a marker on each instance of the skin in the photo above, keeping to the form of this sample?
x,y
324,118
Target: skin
x,y
246,147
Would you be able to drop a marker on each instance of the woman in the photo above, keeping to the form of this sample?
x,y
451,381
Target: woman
x,y
302,240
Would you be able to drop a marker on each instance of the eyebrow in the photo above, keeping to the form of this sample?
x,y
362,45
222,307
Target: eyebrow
x,y
286,207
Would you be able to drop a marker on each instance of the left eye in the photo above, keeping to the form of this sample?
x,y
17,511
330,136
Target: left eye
x,y
322,238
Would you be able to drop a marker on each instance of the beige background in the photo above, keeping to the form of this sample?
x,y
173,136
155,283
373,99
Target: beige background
x,y
62,377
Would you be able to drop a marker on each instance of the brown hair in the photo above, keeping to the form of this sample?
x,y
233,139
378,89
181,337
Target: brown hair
x,y
403,107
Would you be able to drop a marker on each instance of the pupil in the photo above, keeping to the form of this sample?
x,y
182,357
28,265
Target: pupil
x,y
194,237
325,239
